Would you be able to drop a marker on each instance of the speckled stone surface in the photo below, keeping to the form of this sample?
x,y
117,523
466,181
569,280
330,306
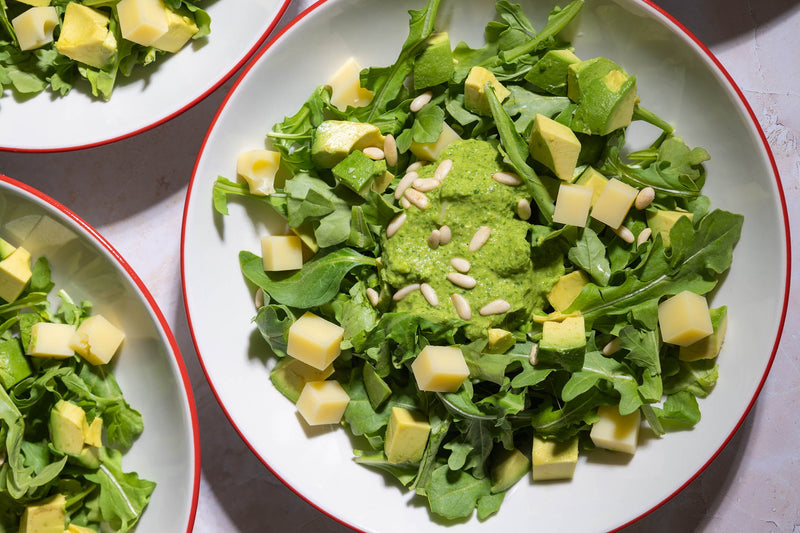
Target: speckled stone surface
x,y
133,192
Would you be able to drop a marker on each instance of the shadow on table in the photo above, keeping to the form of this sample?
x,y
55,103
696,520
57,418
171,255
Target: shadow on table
x,y
715,21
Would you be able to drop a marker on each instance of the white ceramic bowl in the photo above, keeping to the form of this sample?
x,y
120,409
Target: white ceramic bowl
x,y
678,79
152,95
148,367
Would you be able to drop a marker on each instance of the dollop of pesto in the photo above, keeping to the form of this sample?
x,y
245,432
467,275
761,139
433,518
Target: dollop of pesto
x,y
467,199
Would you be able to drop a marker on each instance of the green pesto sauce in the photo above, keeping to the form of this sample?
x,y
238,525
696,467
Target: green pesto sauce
x,y
467,199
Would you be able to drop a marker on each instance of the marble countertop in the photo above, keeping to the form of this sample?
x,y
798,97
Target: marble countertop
x,y
754,483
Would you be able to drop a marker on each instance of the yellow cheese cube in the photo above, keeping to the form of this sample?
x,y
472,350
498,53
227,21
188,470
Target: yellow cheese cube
x,y
322,402
709,347
314,340
97,340
258,168
615,431
430,151
684,319
34,27
475,98
47,516
142,21
572,204
346,87
93,433
661,222
440,368
180,29
281,252
406,436
614,202
553,460
592,178
566,289
85,36
15,272
555,146
51,340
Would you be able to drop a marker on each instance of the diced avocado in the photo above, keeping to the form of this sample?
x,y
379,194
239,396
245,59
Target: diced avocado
x,y
180,28
500,340
435,64
89,457
431,151
594,179
93,432
566,289
605,94
509,466
290,375
15,272
335,139
555,146
47,516
475,98
14,366
581,74
553,460
377,389
709,347
358,172
406,436
661,222
36,3
563,343
67,422
6,249
306,233
79,529
380,183
85,36
550,72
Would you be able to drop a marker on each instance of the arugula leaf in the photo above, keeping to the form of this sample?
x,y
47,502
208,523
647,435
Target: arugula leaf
x,y
455,494
589,253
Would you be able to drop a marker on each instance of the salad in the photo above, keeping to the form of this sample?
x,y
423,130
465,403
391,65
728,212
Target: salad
x,y
64,423
49,45
479,279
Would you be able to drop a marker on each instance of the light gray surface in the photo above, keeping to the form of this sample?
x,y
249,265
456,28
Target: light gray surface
x,y
133,191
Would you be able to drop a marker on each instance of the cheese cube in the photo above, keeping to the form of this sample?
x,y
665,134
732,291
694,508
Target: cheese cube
x,y
36,3
314,340
406,436
34,27
709,347
430,151
142,21
572,204
97,340
684,319
614,202
566,289
15,272
85,36
346,87
51,340
180,29
595,180
553,460
615,431
258,168
322,402
440,368
281,252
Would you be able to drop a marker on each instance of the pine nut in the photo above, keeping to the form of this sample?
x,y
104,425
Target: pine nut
x,y
420,101
524,209
462,265
495,307
405,291
462,280
390,149
445,234
507,178
372,296
643,236
373,152
462,306
429,294
443,170
416,165
416,198
479,238
395,224
434,239
405,183
405,203
644,198
625,234
259,298
532,356
612,347
425,184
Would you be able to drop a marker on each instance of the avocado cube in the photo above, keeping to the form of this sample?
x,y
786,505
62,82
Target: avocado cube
x,y
15,273
13,365
581,74
67,423
180,28
47,516
509,467
555,146
335,139
79,529
500,340
607,105
475,98
290,375
661,222
594,179
93,432
406,436
142,21
88,457
85,36
435,64
6,249
563,343
550,72
566,289
378,391
431,151
553,460
709,347
358,172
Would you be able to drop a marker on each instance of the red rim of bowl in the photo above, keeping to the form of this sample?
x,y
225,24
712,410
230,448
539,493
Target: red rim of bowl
x,y
248,55
731,83
162,321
